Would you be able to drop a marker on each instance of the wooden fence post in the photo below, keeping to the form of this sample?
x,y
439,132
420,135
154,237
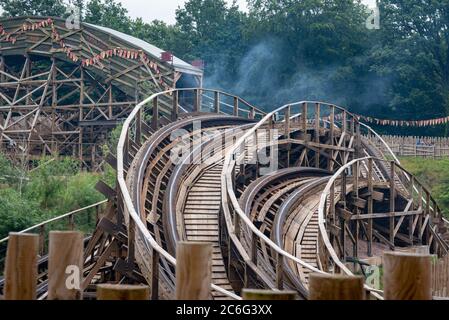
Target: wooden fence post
x,y
335,287
65,265
193,270
122,292
407,276
21,267
254,294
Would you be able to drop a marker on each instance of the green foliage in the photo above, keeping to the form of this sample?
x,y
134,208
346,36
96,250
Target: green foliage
x,y
108,13
14,8
434,174
52,189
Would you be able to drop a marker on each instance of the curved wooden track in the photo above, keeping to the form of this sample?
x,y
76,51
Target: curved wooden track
x,y
280,195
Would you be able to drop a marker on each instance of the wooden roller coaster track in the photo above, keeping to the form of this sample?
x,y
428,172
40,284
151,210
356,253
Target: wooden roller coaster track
x,y
281,195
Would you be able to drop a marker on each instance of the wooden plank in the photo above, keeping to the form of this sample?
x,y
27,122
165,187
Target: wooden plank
x,y
407,276
21,267
65,265
193,271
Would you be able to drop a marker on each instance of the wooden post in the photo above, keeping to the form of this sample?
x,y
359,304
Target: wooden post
x,y
331,137
193,270
175,107
236,106
304,120
122,292
317,134
217,102
21,267
336,287
392,201
155,275
407,276
155,118
65,265
279,271
196,102
253,294
370,207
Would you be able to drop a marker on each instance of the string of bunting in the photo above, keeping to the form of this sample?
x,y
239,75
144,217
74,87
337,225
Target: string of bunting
x,y
407,123
105,54
396,123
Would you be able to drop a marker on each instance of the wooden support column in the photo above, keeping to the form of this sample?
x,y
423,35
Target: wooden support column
x,y
336,287
65,265
370,208
122,292
155,117
411,218
175,106
392,201
279,271
304,120
356,169
217,102
110,101
81,116
138,136
54,102
253,294
197,102
236,106
343,222
331,137
407,276
21,267
193,270
155,275
287,122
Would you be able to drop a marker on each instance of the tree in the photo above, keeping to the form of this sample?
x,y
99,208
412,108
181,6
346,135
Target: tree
x,y
212,31
108,13
14,8
413,49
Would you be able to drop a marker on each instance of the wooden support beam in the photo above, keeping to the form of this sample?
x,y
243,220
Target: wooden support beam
x,y
193,270
407,276
21,267
253,294
336,287
392,200
65,265
155,116
236,106
122,292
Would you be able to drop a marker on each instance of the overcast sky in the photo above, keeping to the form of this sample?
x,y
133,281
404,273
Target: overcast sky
x,y
164,10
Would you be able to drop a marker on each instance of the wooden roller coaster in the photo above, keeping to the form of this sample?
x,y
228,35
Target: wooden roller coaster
x,y
281,195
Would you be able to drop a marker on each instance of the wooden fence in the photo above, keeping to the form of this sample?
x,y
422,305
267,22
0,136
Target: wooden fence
x,y
440,277
411,146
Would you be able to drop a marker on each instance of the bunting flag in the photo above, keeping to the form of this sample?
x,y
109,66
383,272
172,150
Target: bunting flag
x,y
396,123
129,54
407,123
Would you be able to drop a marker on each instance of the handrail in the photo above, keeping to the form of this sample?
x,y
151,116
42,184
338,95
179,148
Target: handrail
x,y
227,185
57,218
128,203
326,193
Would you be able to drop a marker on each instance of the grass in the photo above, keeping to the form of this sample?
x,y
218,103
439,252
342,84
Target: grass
x,y
434,174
